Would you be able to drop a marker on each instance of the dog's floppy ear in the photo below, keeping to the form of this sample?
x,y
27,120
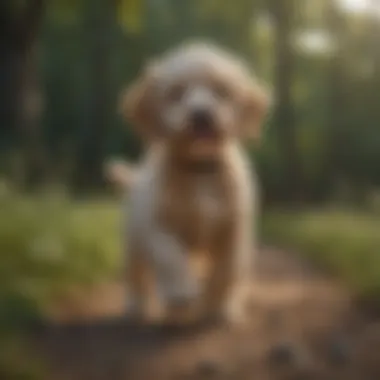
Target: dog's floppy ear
x,y
138,104
256,104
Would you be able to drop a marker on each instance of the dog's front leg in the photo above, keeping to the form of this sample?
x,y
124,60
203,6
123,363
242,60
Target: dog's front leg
x,y
227,287
177,283
243,252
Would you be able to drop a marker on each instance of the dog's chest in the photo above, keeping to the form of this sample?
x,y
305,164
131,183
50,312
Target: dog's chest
x,y
211,208
208,202
196,209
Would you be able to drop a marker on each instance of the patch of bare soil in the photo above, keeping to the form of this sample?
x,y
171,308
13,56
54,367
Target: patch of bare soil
x,y
302,326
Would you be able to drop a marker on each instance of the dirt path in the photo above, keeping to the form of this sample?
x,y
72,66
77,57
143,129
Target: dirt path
x,y
303,326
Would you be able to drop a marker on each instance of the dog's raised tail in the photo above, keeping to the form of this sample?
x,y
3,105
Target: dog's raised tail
x,y
119,173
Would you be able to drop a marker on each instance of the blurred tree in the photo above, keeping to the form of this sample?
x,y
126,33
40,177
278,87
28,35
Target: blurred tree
x,y
283,14
100,18
21,99
337,90
230,23
21,21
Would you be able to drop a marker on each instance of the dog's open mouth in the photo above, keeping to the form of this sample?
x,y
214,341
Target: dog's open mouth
x,y
203,139
205,147
204,133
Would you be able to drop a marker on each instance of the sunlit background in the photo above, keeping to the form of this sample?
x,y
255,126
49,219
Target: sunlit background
x,y
63,64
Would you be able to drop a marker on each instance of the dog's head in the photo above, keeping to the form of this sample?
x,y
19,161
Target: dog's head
x,y
196,98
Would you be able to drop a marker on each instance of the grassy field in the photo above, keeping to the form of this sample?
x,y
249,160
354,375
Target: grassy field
x,y
47,244
346,243
50,245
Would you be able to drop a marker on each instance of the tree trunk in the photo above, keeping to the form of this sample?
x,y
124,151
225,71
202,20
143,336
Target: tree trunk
x,y
284,118
375,35
21,95
337,96
88,175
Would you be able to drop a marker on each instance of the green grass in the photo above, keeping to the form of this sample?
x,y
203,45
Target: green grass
x,y
346,243
48,246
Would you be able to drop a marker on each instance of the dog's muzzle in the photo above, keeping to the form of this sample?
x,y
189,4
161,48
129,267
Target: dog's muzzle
x,y
202,124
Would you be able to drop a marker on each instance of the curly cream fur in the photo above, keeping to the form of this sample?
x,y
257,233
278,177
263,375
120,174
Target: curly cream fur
x,y
178,216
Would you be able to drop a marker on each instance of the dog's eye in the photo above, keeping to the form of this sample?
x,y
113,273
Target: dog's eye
x,y
222,91
175,93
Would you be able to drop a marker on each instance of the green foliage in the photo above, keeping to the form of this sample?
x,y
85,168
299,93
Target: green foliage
x,y
91,49
64,12
131,15
17,311
343,242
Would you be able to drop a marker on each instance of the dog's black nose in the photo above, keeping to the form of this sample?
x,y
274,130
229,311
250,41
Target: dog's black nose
x,y
201,120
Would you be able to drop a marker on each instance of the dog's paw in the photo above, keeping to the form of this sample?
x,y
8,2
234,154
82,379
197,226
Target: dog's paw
x,y
235,316
225,315
133,310
182,307
181,296
182,313
149,311
136,310
235,312
179,301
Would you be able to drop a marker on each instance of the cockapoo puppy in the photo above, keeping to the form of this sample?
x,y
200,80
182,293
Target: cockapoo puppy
x,y
193,197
